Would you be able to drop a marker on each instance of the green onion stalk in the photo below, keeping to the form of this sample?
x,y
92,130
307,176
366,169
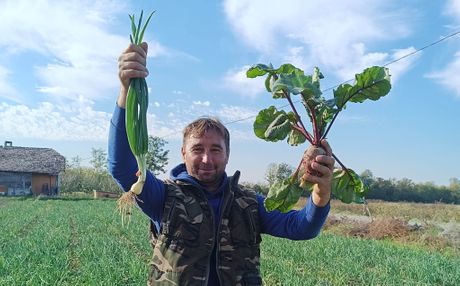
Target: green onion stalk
x,y
137,102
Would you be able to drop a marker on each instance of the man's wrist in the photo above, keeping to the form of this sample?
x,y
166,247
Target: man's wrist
x,y
121,101
320,201
320,198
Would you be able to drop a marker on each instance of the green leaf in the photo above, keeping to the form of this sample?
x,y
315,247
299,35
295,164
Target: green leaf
x,y
259,70
341,95
372,83
294,82
264,119
138,29
296,138
287,69
278,128
133,29
268,83
145,26
317,75
348,186
283,195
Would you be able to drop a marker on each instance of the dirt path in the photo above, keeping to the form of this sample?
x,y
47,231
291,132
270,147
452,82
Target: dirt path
x,y
448,230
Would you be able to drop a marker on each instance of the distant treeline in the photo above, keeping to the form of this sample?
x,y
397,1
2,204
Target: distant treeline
x,y
406,190
87,179
393,190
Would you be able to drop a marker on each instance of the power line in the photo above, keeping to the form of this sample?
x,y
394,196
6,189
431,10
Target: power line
x,y
442,39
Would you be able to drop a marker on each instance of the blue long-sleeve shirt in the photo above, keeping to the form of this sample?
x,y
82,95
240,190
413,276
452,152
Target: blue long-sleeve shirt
x,y
296,225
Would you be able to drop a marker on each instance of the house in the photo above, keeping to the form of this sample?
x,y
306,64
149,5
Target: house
x,y
27,170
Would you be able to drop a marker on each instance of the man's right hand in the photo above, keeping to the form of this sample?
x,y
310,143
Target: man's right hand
x,y
131,64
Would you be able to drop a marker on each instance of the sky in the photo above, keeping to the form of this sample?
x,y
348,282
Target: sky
x,y
59,82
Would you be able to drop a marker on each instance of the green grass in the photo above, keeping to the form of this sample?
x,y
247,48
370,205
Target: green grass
x,y
81,242
334,260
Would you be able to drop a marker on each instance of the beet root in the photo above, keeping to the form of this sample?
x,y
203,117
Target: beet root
x,y
308,158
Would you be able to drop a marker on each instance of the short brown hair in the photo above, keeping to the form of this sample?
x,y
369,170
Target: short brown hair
x,y
198,127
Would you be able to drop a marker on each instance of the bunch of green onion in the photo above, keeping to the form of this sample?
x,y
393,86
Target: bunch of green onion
x,y
136,122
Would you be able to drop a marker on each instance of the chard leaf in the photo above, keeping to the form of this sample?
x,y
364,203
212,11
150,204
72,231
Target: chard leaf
x,y
283,195
317,75
259,70
372,83
348,187
268,83
296,138
341,95
287,69
294,82
272,124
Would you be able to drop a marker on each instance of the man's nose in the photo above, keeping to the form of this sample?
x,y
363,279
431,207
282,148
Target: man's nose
x,y
206,157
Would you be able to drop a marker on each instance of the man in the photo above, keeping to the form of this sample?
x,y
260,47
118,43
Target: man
x,y
206,228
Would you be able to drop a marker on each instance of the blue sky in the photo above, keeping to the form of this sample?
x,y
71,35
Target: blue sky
x,y
58,76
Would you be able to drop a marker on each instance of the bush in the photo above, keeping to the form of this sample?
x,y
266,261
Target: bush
x,y
84,179
256,187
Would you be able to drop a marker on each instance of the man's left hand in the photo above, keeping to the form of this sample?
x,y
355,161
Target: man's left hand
x,y
324,165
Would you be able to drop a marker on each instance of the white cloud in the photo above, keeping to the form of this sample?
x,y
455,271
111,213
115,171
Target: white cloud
x,y
70,34
448,77
296,56
241,135
232,113
76,39
334,35
400,67
202,103
173,117
397,68
7,91
453,8
235,80
50,121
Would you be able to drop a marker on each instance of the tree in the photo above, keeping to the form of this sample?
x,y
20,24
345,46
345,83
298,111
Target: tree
x,y
99,160
259,188
157,158
454,184
74,162
278,172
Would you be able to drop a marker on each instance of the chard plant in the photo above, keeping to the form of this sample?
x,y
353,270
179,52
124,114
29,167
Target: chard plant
x,y
291,83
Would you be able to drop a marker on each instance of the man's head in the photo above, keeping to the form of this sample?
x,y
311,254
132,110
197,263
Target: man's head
x,y
205,150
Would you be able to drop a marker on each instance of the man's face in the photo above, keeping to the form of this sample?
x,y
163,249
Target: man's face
x,y
206,157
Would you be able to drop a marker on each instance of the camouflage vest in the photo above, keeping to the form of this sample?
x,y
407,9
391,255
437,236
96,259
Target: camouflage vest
x,y
183,247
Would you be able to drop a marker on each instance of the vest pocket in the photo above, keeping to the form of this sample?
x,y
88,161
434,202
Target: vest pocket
x,y
183,222
245,227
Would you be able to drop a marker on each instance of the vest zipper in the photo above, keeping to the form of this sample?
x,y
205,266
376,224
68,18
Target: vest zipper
x,y
208,268
222,211
201,192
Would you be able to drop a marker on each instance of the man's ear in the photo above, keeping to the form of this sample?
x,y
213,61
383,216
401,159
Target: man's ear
x,y
182,151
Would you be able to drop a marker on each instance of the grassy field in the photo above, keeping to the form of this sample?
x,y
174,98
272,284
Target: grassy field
x,y
81,242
